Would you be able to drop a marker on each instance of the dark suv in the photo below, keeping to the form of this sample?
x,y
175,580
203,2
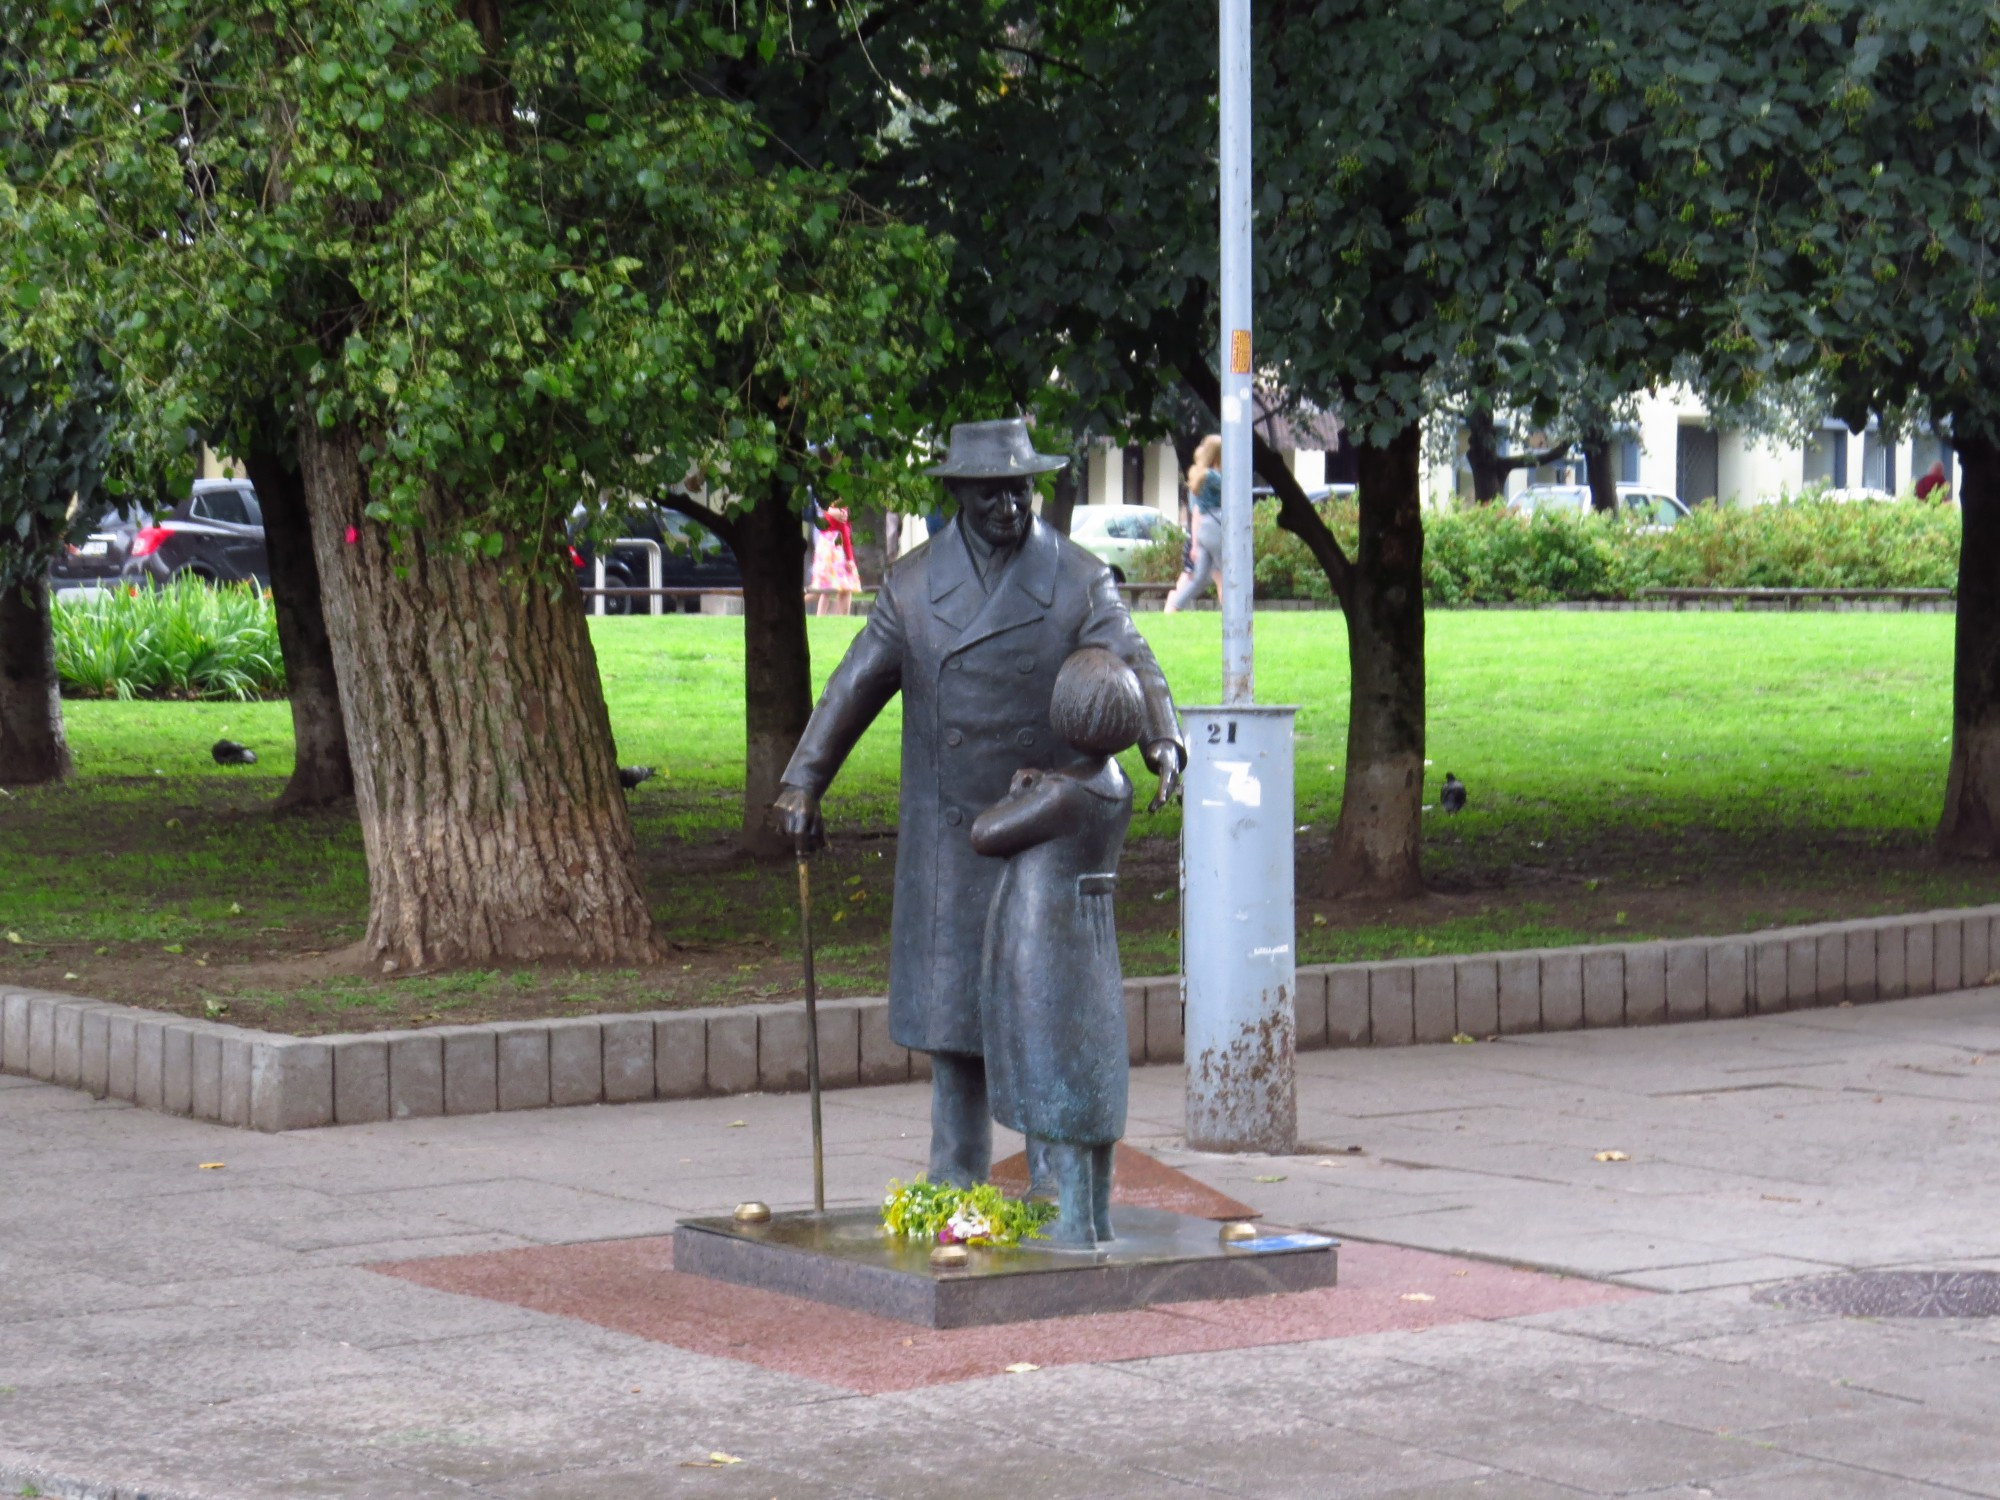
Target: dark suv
x,y
216,534
691,557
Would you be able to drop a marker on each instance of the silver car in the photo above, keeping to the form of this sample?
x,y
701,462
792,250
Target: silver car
x,y
1116,534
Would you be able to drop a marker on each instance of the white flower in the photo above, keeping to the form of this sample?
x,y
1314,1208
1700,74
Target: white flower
x,y
969,1224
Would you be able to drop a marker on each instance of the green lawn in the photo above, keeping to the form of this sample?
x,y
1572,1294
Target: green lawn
x,y
1642,773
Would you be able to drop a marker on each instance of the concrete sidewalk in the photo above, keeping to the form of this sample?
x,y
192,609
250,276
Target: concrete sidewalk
x,y
172,1331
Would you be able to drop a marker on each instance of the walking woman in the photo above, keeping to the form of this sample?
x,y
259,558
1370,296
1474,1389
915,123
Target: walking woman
x,y
1204,482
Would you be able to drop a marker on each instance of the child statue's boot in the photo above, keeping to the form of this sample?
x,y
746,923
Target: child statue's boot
x,y
1075,1227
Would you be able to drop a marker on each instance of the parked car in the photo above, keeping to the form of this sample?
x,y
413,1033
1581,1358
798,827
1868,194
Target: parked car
x,y
1314,492
216,534
691,557
1116,534
1643,507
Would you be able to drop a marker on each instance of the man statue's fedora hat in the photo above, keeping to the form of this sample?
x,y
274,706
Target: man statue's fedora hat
x,y
993,450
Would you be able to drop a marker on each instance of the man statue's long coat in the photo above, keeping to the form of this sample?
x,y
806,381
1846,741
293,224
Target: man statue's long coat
x,y
976,670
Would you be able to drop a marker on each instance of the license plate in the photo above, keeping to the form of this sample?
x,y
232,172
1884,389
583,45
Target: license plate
x,y
94,549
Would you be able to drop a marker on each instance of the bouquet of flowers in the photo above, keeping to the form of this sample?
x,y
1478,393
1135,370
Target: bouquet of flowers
x,y
981,1215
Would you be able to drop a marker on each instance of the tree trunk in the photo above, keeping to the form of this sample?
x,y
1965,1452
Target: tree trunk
x,y
1597,464
321,771
777,661
1060,507
1378,839
1970,826
33,749
486,784
1482,455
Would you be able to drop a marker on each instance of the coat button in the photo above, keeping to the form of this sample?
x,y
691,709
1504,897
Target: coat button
x,y
1024,737
1025,664
953,816
953,737
954,664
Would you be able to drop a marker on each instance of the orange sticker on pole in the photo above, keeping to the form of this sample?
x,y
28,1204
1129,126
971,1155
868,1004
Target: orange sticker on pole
x,y
1239,352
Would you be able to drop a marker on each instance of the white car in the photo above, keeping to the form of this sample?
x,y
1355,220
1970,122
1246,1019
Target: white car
x,y
1651,509
1116,534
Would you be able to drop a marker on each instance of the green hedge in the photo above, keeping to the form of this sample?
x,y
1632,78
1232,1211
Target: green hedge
x,y
1488,555
187,640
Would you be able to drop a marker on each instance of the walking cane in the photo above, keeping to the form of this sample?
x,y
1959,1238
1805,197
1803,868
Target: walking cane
x,y
804,850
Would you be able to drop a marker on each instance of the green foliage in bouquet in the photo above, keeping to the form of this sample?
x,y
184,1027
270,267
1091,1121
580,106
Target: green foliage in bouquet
x,y
938,1213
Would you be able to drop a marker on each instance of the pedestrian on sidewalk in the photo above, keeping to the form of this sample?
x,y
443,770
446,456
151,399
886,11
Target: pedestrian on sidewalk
x,y
1204,483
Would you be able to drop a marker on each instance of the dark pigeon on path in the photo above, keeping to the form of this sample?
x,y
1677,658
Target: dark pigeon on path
x,y
229,753
631,776
1452,798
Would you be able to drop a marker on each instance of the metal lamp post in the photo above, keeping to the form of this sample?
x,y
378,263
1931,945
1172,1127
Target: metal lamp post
x,y
1237,916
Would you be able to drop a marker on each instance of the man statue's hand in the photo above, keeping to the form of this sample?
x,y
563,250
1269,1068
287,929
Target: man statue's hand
x,y
1166,759
795,813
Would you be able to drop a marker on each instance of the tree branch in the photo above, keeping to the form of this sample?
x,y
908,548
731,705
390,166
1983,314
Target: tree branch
x,y
1507,463
714,520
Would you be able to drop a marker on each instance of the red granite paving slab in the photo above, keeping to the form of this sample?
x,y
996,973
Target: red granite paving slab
x,y
1141,1181
630,1286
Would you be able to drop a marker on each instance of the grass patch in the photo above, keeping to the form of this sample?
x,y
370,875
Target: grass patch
x,y
1631,775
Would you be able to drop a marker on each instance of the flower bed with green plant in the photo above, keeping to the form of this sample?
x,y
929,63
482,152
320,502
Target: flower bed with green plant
x,y
1490,555
187,640
937,1213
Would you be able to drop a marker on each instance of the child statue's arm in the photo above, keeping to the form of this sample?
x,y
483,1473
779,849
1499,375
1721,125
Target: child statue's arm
x,y
1034,811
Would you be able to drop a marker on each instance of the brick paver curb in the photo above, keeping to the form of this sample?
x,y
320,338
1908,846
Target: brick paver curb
x,y
268,1081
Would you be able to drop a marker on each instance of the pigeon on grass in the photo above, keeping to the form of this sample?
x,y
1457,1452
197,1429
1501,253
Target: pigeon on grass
x,y
631,776
229,753
1452,798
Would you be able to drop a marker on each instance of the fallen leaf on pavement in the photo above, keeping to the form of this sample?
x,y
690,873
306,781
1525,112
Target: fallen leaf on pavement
x,y
735,1124
13,937
1274,1177
1611,1156
1022,1368
713,1461
1418,1297
213,1166
1461,1039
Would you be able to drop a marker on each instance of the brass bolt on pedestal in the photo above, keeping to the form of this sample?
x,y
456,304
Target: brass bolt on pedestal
x,y
1237,1233
950,1257
753,1213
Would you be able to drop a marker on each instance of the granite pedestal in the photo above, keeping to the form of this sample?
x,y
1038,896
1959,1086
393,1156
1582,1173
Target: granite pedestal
x,y
846,1258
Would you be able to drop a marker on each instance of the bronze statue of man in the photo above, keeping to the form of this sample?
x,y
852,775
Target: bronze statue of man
x,y
972,629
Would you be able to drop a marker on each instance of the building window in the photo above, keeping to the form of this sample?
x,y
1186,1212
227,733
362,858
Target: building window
x,y
1878,462
1628,460
1697,464
1826,457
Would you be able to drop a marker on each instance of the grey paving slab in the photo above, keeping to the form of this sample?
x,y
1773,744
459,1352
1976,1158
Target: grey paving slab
x,y
680,1056
416,1075
1562,991
1434,999
521,1060
1347,1008
1603,986
1391,1005
471,1069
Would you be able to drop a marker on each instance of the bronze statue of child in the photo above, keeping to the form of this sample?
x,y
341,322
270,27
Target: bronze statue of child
x,y
1052,1003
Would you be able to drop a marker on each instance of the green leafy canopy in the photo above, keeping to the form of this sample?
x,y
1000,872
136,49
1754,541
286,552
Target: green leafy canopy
x,y
534,269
